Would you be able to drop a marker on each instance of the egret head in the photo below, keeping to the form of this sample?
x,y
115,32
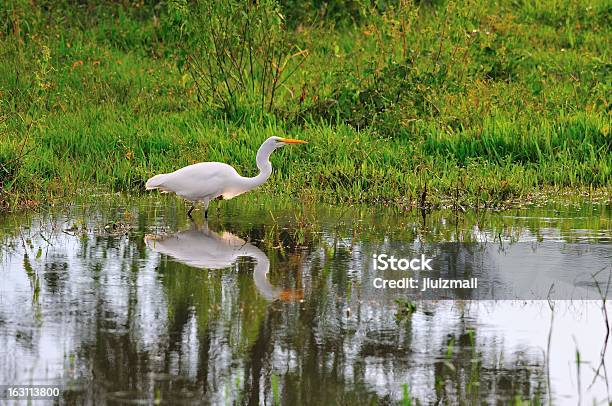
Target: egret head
x,y
278,142
270,145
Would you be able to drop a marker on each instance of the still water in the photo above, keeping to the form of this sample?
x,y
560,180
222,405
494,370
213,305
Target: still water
x,y
127,301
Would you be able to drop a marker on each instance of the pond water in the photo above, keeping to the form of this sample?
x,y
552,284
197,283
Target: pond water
x,y
127,301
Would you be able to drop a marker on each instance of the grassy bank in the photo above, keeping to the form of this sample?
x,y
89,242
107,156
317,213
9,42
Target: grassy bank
x,y
484,104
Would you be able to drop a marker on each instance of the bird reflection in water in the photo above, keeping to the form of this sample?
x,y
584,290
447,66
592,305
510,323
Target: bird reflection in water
x,y
200,247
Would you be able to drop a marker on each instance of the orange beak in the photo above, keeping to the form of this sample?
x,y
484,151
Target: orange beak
x,y
292,141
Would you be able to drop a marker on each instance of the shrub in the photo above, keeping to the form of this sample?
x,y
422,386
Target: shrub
x,y
238,53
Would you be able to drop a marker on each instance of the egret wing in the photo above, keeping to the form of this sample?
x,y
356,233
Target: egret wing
x,y
200,181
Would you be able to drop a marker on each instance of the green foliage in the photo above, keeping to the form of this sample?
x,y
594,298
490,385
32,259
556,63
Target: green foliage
x,y
275,392
238,53
9,165
406,400
331,12
405,309
485,104
454,66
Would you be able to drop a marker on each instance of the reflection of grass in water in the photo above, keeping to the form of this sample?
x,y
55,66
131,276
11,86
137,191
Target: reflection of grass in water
x,y
284,223
275,394
198,292
406,400
405,309
463,374
250,324
374,224
34,280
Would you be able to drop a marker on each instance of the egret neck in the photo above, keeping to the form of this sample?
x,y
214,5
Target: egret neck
x,y
264,166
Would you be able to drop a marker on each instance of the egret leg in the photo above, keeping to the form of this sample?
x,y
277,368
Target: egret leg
x,y
190,210
205,202
217,206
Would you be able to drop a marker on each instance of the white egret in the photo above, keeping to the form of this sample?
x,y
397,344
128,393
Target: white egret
x,y
204,248
206,181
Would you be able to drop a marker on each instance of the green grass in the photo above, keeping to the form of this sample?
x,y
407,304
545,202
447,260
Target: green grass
x,y
486,105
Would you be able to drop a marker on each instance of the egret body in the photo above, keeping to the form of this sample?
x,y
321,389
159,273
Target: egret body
x,y
205,181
